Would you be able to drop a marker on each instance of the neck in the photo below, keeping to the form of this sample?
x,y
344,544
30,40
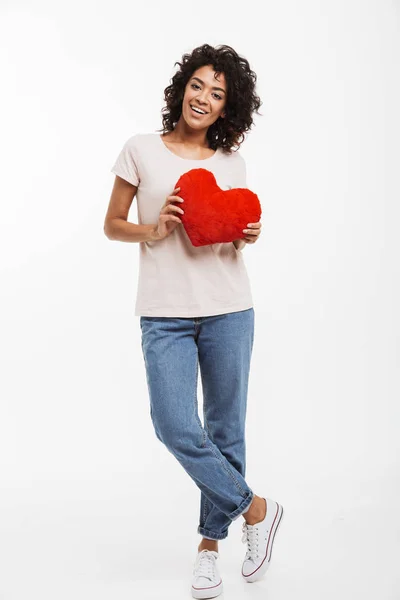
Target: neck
x,y
184,134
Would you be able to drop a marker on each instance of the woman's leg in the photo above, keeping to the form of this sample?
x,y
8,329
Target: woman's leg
x,y
171,358
225,344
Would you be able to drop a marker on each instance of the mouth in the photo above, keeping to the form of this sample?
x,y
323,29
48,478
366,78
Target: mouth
x,y
195,110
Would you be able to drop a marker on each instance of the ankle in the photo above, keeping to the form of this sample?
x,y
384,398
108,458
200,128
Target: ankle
x,y
207,544
256,512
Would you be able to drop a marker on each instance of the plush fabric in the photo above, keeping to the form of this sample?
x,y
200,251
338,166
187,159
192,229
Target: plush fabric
x,y
213,215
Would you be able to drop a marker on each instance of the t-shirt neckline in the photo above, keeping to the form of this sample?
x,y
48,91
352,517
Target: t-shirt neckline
x,y
187,159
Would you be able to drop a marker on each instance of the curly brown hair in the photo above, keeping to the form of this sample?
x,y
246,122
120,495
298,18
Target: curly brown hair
x,y
241,101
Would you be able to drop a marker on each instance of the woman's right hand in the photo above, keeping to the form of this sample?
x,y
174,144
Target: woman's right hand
x,y
167,220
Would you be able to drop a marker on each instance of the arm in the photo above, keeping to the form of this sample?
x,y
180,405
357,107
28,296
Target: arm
x,y
239,244
116,225
253,230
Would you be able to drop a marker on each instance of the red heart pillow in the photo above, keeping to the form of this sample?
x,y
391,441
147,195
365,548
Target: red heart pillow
x,y
213,215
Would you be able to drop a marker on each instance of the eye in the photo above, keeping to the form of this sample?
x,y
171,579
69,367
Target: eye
x,y
197,86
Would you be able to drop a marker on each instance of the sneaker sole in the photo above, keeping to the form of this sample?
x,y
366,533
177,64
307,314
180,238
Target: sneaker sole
x,y
209,592
258,573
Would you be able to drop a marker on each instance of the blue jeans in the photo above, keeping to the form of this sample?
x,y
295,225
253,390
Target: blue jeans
x,y
213,456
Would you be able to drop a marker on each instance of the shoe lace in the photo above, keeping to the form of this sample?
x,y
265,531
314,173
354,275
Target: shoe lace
x,y
205,565
250,536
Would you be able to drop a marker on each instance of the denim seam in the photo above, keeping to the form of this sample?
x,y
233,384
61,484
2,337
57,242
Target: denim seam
x,y
205,497
205,510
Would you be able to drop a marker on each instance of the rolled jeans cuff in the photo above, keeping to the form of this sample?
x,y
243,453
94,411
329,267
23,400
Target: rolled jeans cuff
x,y
244,506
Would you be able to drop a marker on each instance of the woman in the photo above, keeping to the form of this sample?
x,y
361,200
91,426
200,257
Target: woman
x,y
195,303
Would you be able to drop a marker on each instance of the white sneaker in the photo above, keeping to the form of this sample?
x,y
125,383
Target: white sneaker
x,y
259,539
206,582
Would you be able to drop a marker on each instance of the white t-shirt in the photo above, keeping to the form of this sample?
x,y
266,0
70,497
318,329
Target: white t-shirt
x,y
177,279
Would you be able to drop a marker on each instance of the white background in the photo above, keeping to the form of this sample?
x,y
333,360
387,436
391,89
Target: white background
x,y
92,505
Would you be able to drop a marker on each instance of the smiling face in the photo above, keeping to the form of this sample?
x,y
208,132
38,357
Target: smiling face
x,y
207,94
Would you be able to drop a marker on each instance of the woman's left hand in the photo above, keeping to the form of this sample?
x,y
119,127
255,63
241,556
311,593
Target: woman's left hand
x,y
252,232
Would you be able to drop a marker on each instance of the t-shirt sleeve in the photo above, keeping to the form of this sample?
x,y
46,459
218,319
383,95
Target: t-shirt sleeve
x,y
127,163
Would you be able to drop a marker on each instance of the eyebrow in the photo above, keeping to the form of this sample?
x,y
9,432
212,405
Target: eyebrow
x,y
214,88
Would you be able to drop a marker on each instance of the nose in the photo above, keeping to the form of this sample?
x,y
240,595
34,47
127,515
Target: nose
x,y
202,98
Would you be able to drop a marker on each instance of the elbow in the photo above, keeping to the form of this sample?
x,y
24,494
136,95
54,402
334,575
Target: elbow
x,y
108,230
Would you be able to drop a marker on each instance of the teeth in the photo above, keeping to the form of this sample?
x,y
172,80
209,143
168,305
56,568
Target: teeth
x,y
198,110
